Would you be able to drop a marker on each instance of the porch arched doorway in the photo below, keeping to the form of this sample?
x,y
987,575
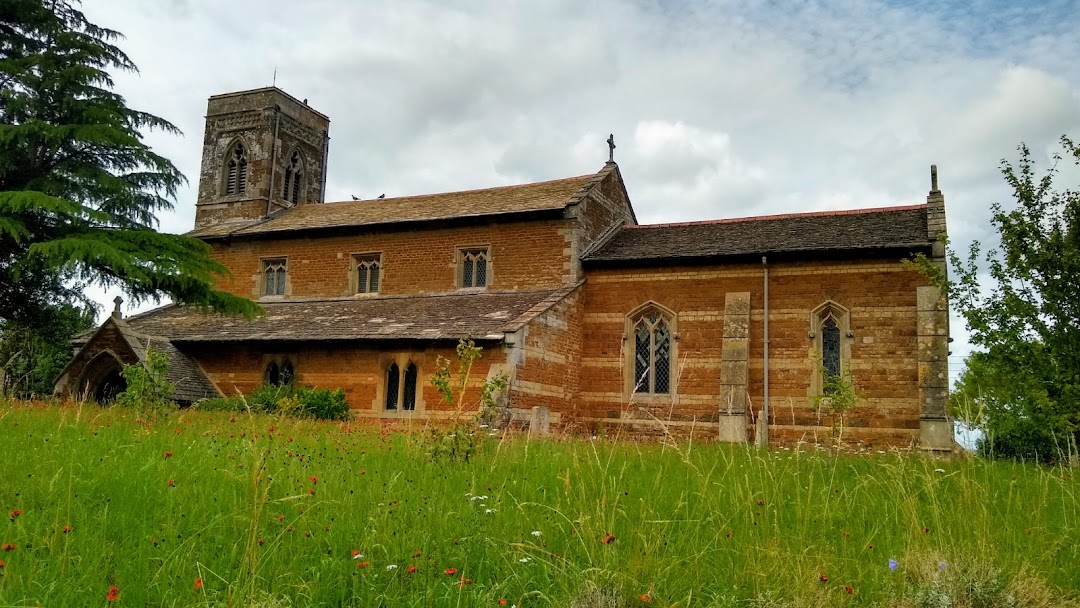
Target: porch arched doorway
x,y
103,379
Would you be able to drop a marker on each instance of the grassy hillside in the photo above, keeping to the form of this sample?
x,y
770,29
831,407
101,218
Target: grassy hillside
x,y
209,509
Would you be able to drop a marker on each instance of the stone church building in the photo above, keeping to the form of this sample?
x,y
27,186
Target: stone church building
x,y
724,329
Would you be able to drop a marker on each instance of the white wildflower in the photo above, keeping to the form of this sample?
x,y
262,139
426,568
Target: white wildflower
x,y
939,470
391,567
524,560
536,533
489,511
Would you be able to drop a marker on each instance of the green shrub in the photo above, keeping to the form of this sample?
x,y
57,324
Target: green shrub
x,y
148,389
300,401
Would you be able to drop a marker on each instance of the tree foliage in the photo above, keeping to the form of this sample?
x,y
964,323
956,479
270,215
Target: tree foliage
x,y
79,188
1023,311
31,359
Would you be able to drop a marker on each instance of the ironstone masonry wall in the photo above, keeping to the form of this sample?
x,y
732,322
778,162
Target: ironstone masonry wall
x,y
881,298
524,255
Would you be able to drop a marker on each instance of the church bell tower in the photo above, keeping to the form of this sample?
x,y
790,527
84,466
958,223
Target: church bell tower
x,y
263,151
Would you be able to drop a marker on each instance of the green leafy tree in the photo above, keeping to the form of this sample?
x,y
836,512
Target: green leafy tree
x,y
31,359
1023,386
79,189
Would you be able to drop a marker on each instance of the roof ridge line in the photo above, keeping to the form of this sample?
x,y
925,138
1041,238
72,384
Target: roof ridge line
x,y
784,216
591,183
466,191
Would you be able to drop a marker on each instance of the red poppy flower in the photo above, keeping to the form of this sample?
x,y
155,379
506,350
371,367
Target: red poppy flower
x,y
311,491
363,471
363,564
411,568
760,502
850,590
502,601
450,571
416,553
260,541
167,454
198,583
1,564
644,598
172,483
65,529
9,547
926,530
313,479
15,513
824,578
113,594
870,546
355,552
281,517
607,540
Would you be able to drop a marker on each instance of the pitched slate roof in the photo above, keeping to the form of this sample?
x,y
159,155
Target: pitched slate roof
x,y
479,315
183,372
540,196
892,228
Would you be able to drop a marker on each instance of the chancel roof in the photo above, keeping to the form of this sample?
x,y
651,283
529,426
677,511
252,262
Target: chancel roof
x,y
884,229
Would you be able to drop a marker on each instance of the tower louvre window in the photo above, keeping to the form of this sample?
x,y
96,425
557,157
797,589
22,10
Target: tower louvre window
x,y
294,175
236,171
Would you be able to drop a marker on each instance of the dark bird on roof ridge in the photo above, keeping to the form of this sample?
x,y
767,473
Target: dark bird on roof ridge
x,y
354,197
382,195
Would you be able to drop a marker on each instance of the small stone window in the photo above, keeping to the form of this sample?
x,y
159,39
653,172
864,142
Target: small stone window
x,y
401,388
294,176
274,274
367,272
236,170
279,375
474,267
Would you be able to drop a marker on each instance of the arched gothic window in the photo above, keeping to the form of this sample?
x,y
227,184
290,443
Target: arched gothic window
x,y
408,396
830,331
236,170
652,345
393,385
279,375
294,176
401,388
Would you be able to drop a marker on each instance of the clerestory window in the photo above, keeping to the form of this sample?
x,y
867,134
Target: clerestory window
x,y
236,170
294,176
367,272
474,267
274,274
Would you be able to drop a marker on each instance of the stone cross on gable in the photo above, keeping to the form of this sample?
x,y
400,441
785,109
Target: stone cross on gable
x,y
611,148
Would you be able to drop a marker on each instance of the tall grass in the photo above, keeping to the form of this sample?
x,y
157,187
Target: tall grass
x,y
267,511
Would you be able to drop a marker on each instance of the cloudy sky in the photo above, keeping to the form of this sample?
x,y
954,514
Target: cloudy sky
x,y
719,108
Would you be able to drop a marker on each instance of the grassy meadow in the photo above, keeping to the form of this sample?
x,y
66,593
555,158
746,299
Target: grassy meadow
x,y
211,509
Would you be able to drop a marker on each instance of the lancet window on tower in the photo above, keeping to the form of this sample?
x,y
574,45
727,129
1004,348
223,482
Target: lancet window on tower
x,y
294,176
236,170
